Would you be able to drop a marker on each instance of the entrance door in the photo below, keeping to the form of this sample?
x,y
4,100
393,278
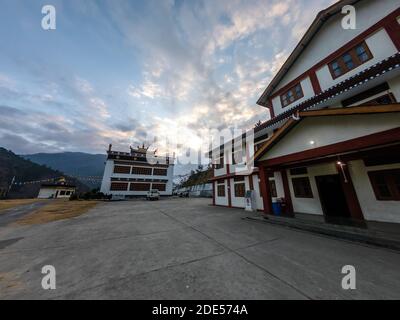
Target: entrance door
x,y
332,198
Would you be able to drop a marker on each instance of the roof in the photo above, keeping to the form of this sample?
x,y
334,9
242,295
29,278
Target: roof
x,y
317,24
57,185
375,71
291,123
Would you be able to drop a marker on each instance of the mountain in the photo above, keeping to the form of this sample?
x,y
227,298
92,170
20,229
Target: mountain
x,y
27,171
77,164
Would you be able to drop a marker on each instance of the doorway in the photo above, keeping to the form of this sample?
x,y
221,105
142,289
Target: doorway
x,y
333,199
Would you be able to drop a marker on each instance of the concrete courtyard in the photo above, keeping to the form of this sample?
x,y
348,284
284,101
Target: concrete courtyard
x,y
186,249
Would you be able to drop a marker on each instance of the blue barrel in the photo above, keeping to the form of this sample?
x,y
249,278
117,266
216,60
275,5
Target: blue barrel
x,y
277,208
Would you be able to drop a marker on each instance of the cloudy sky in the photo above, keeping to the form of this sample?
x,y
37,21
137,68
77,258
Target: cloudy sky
x,y
117,71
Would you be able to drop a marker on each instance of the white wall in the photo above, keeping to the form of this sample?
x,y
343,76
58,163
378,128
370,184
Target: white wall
x,y
329,130
46,193
394,85
373,209
106,182
311,205
256,185
332,36
239,202
109,173
221,201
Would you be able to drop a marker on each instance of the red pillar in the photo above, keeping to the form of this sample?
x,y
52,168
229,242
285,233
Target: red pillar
x,y
350,193
229,186
213,191
265,190
286,189
393,30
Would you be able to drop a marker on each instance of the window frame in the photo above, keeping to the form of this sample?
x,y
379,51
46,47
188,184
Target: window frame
x,y
294,94
390,183
240,189
355,59
295,189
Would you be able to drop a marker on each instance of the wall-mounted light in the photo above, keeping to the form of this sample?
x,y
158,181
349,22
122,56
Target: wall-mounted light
x,y
312,142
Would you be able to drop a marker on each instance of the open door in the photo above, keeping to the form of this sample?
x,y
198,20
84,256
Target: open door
x,y
333,199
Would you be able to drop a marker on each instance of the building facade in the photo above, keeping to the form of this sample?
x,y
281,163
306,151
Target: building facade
x,y
134,173
332,145
58,190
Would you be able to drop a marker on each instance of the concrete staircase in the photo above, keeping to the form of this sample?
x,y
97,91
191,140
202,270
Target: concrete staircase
x,y
386,237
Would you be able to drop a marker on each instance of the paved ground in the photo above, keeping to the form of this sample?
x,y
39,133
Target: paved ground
x,y
10,215
185,249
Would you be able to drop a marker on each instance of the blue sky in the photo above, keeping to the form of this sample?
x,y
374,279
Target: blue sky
x,y
116,71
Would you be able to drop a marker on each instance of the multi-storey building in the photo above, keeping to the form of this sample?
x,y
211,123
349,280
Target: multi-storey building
x,y
128,175
332,145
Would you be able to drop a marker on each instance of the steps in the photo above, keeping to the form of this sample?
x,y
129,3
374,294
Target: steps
x,y
367,235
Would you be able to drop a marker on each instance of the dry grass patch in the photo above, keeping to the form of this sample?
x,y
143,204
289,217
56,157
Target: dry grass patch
x,y
8,204
58,210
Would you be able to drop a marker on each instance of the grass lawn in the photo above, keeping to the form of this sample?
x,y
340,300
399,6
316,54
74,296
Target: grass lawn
x,y
57,210
8,204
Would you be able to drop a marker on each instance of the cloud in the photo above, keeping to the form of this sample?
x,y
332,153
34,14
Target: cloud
x,y
150,68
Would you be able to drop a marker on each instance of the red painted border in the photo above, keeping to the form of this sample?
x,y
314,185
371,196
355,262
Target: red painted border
x,y
393,30
286,189
265,191
350,193
229,187
315,83
375,139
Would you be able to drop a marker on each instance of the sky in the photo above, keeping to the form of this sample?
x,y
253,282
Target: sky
x,y
126,71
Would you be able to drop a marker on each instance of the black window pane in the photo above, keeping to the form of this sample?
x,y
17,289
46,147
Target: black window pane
x,y
348,60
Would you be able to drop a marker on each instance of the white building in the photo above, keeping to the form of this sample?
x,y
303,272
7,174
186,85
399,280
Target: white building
x,y
57,190
332,145
133,174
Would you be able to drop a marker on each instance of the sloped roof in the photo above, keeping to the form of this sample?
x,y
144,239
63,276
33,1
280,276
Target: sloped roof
x,y
317,24
291,123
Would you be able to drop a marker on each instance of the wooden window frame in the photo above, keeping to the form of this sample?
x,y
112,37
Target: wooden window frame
x,y
395,191
302,195
127,169
159,186
240,190
144,171
120,188
144,186
160,172
221,190
296,96
356,61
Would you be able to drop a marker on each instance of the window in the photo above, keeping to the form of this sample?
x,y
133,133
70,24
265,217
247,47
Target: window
x,y
141,170
385,99
122,169
221,188
119,186
160,172
272,187
302,187
139,187
239,190
62,193
292,95
159,186
350,60
386,184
